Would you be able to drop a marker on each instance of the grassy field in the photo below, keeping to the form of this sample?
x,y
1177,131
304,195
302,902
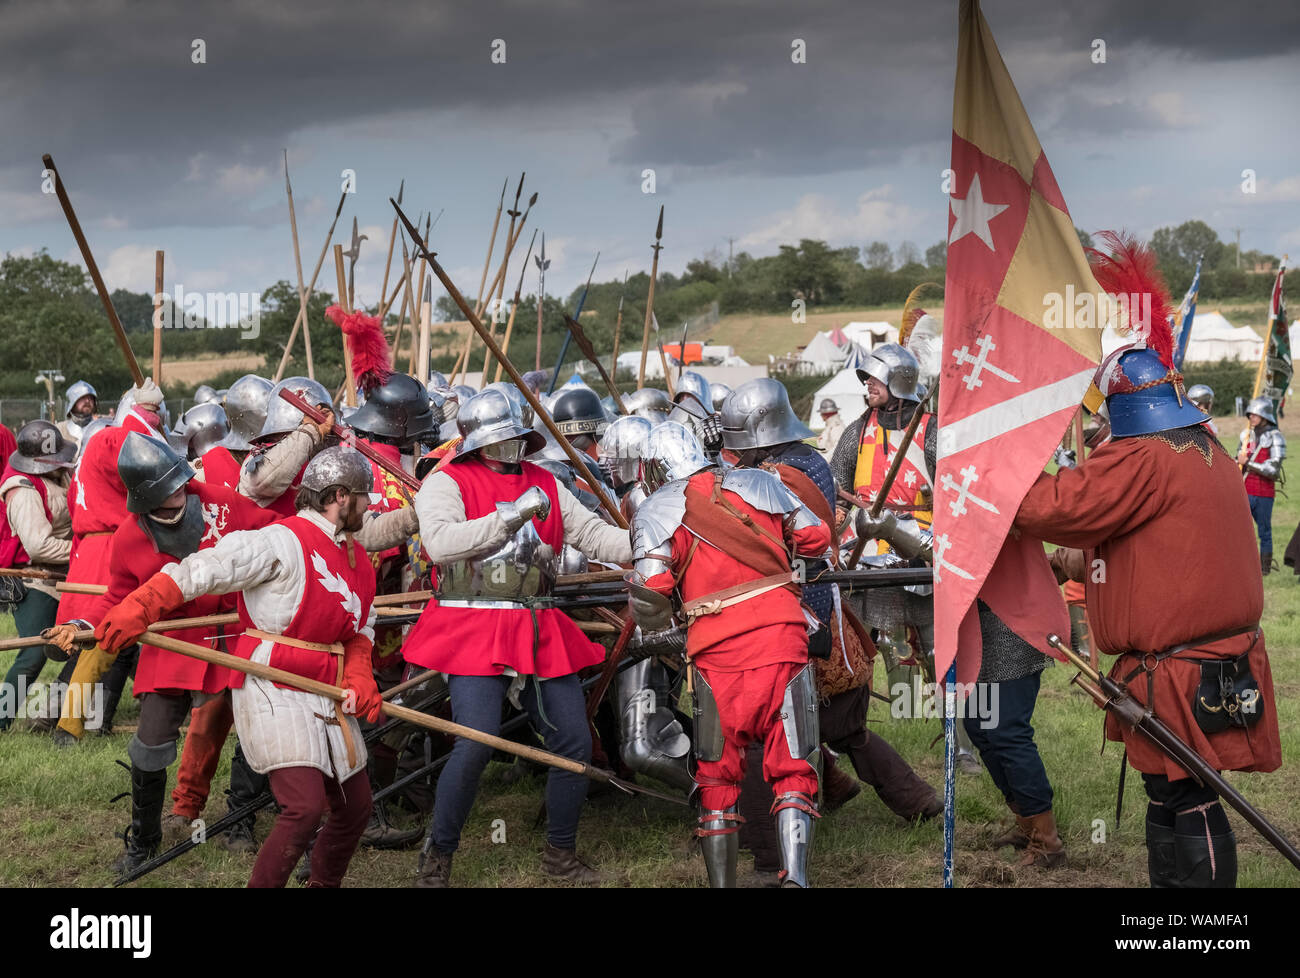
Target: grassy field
x,y
58,827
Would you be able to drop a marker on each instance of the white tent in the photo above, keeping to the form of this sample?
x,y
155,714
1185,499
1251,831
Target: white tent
x,y
1213,339
820,356
848,394
871,335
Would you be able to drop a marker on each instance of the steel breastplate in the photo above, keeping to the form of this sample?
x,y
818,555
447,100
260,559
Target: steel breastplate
x,y
179,539
523,568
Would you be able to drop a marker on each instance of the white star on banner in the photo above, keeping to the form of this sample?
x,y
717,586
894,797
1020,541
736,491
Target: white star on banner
x,y
973,215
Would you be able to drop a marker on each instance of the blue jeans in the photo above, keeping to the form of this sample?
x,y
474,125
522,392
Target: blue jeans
x,y
1261,508
562,723
35,613
1008,749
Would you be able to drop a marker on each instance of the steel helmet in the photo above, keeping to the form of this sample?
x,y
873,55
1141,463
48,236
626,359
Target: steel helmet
x,y
650,403
1263,406
42,449
828,406
622,447
758,415
1202,396
246,404
896,368
692,392
204,394
76,392
151,471
516,395
578,411
281,416
338,465
203,427
490,418
1143,394
672,452
397,412
718,394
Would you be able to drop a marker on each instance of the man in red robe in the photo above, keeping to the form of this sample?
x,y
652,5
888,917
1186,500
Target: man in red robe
x,y
1163,494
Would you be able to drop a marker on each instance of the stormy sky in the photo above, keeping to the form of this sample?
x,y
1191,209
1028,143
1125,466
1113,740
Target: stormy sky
x,y
158,151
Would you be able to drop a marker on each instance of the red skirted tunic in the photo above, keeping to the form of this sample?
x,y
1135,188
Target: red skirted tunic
x,y
220,468
135,559
484,641
1170,558
97,502
335,606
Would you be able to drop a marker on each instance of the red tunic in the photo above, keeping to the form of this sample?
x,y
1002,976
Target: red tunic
x,y
135,559
97,501
1257,485
220,468
335,605
761,631
1164,531
12,553
484,641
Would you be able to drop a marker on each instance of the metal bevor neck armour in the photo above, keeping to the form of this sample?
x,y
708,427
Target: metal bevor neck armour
x,y
181,537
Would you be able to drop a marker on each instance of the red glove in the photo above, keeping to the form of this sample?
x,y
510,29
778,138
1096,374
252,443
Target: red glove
x,y
124,623
359,677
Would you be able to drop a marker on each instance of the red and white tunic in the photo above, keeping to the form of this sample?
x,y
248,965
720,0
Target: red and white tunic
x,y
296,582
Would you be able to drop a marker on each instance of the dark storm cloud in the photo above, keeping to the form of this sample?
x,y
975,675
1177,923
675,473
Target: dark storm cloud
x,y
144,134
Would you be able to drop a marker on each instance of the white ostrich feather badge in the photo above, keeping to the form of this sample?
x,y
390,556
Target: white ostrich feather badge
x,y
337,585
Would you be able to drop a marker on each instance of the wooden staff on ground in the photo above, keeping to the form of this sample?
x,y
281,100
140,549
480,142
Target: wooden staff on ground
x,y
119,333
650,301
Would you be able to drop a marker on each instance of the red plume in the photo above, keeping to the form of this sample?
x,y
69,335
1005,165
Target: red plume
x,y
1129,272
372,362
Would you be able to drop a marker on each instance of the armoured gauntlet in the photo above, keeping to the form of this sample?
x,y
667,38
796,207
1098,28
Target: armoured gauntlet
x,y
532,503
905,536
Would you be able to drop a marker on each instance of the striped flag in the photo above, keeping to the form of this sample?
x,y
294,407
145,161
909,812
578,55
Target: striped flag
x,y
1021,342
1186,313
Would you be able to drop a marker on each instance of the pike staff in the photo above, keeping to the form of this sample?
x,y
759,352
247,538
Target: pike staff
x,y
514,307
650,300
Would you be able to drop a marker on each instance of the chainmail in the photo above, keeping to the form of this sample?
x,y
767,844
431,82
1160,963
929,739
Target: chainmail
x,y
1006,656
895,416
1181,439
808,460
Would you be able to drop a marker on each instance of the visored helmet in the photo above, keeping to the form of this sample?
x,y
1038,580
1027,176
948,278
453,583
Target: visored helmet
x,y
397,412
490,418
896,368
151,471
672,452
281,416
203,427
622,447
758,415
42,449
578,411
338,465
246,404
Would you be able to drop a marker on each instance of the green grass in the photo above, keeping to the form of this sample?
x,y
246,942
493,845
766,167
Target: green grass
x,y
57,827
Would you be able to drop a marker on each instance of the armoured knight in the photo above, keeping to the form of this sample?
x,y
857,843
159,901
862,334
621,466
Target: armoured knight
x,y
1260,455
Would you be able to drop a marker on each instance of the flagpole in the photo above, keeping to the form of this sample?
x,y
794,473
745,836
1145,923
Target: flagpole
x,y
949,771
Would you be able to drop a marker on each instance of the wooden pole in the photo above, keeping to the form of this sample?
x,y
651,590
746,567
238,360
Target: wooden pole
x,y
119,333
388,263
668,377
426,317
498,282
589,351
618,328
492,242
650,301
297,264
415,309
539,409
514,308
879,502
349,392
299,322
157,316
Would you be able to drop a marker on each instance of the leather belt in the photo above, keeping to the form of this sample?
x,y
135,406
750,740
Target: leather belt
x,y
712,604
335,648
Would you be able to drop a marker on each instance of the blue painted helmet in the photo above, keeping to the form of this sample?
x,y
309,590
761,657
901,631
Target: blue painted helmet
x,y
1143,394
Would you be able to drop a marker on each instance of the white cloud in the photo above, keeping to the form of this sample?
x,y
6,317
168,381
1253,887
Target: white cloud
x,y
127,267
875,215
239,178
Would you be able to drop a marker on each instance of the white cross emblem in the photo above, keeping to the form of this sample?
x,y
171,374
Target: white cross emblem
x,y
981,363
958,505
940,546
909,478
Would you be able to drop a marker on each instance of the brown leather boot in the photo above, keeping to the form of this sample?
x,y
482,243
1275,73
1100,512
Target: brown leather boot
x,y
1015,835
1045,849
564,864
434,872
838,789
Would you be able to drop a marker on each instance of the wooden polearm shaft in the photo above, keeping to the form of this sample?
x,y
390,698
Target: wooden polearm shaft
x,y
487,263
300,321
119,333
157,316
539,410
499,283
388,263
297,258
618,326
338,695
415,308
426,327
350,391
589,351
492,241
514,307
408,302
650,300
879,502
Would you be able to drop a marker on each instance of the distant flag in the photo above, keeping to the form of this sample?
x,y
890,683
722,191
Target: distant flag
x,y
1186,313
1012,373
1275,370
654,320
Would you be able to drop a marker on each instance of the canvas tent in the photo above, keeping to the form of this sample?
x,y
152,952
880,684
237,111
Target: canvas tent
x,y
1213,339
848,394
870,335
820,356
